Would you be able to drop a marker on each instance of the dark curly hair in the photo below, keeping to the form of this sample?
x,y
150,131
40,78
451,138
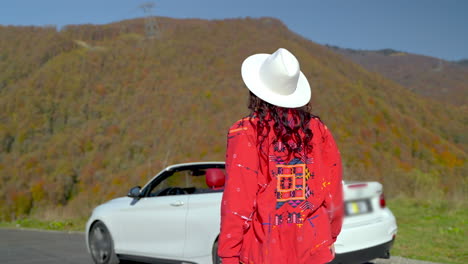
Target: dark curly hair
x,y
287,123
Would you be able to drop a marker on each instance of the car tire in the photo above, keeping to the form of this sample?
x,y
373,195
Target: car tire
x,y
101,245
216,258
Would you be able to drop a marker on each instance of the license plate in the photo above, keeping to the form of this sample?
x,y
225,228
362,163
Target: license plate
x,y
358,207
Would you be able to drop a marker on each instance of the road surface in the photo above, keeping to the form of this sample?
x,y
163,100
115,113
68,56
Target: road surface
x,y
26,246
20,246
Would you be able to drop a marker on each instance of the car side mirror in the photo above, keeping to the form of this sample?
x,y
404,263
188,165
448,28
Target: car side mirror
x,y
134,192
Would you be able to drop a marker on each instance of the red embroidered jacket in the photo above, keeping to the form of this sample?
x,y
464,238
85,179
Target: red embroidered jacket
x,y
278,208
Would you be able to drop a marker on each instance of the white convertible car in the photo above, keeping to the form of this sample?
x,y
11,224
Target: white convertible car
x,y
175,218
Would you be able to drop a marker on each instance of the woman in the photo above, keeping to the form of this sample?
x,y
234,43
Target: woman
x,y
282,201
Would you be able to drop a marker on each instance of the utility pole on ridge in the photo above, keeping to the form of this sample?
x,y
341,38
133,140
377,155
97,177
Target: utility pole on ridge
x,y
151,25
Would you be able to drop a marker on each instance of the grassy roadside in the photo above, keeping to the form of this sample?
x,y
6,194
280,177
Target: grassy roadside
x,y
428,230
433,231
66,225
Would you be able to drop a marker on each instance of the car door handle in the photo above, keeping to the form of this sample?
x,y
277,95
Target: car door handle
x,y
177,203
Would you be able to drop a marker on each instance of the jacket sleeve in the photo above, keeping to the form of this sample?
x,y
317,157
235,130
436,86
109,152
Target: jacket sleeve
x,y
239,196
334,202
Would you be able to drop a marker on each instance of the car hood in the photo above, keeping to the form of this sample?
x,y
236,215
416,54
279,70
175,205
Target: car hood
x,y
113,204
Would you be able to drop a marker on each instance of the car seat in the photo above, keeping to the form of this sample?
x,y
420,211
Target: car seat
x,y
215,178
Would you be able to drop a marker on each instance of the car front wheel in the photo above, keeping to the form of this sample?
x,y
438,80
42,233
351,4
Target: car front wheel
x,y
101,245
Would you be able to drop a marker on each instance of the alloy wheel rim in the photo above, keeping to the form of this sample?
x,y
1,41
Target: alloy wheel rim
x,y
100,244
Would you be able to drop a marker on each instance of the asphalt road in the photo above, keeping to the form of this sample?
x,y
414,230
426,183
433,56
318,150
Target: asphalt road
x,y
22,246
18,246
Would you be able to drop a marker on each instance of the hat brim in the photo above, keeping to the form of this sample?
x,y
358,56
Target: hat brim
x,y
250,71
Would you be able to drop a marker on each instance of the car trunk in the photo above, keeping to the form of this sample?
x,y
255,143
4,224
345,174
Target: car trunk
x,y
362,203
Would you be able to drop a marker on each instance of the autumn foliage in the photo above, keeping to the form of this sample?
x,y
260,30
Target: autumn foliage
x,y
89,111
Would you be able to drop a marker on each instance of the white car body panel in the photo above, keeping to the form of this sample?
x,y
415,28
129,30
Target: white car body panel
x,y
148,226
366,230
367,233
185,227
203,225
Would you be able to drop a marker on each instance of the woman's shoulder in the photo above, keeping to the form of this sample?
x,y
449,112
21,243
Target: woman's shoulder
x,y
316,123
245,124
318,127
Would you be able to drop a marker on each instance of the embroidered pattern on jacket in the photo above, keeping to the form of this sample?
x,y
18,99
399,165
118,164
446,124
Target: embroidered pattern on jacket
x,y
292,184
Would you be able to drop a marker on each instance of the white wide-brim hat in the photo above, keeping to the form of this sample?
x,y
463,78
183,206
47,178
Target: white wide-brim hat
x,y
277,79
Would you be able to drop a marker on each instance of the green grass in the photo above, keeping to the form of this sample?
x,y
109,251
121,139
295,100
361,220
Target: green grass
x,y
428,230
67,225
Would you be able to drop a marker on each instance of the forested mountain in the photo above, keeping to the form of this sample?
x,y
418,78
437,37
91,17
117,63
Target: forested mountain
x,y
433,78
89,111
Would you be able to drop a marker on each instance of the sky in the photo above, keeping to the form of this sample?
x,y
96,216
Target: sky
x,y
437,28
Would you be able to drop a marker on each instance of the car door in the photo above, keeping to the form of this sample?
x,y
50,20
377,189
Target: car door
x,y
155,223
204,214
203,223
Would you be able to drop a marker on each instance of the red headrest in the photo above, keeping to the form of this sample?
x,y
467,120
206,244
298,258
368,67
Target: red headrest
x,y
215,178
